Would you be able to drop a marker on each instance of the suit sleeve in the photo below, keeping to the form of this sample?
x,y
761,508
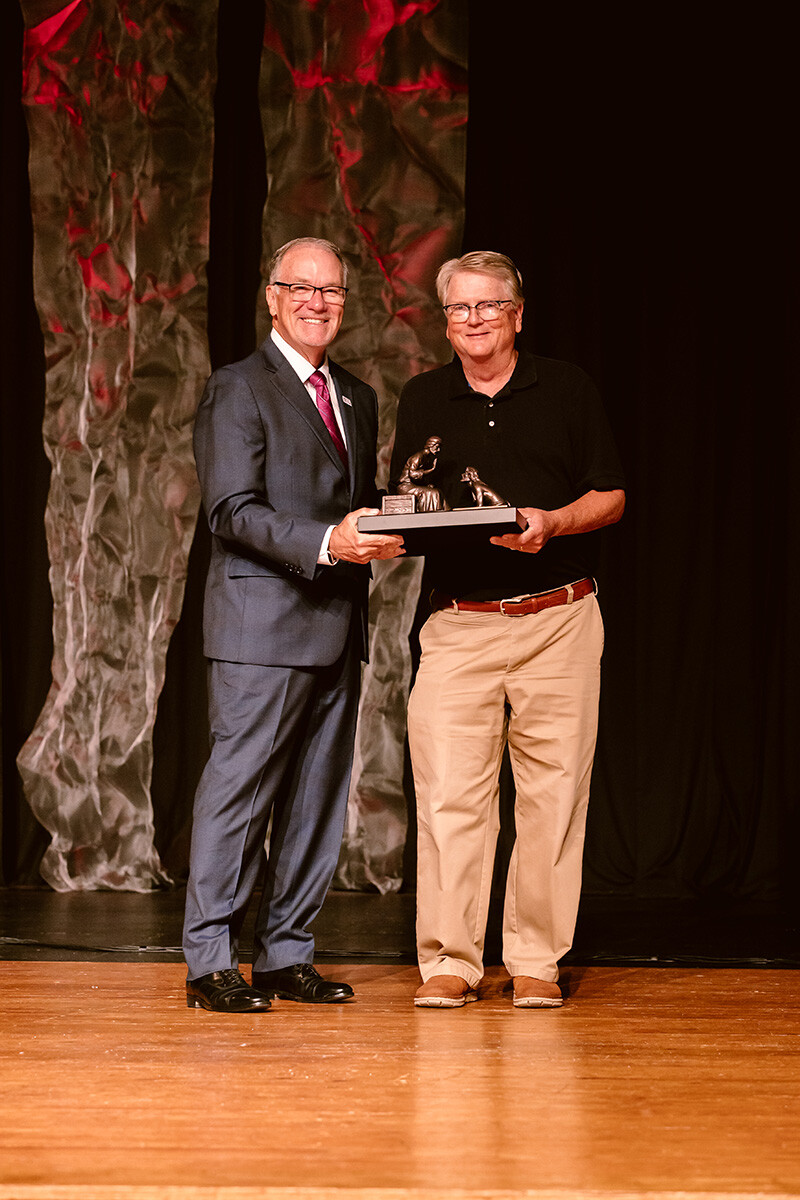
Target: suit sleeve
x,y
230,444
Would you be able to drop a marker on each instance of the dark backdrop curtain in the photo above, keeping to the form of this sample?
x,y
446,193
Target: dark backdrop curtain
x,y
26,643
642,180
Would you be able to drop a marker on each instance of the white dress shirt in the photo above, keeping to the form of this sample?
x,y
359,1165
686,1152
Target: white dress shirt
x,y
304,370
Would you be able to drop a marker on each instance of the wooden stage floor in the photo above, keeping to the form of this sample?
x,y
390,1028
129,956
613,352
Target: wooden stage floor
x,y
650,1082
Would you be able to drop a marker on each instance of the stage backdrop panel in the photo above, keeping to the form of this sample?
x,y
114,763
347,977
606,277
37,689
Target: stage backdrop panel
x,y
119,105
364,108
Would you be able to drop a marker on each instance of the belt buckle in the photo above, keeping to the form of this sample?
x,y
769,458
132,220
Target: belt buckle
x,y
524,600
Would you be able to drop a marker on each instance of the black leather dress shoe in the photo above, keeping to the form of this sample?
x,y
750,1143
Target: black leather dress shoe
x,y
225,991
301,982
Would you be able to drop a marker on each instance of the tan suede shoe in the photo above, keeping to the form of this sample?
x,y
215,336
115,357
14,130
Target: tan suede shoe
x,y
536,993
444,991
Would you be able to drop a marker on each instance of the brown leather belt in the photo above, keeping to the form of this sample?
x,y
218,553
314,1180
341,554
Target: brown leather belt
x,y
516,608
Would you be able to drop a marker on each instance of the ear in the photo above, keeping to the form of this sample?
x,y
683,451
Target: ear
x,y
518,318
270,295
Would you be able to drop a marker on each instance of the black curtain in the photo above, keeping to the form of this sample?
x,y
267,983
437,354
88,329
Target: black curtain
x,y
641,177
26,642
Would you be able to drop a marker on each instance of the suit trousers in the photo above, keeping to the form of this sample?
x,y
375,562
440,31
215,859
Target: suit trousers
x,y
486,680
282,748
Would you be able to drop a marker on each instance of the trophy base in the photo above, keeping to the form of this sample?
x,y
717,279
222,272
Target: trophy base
x,y
427,532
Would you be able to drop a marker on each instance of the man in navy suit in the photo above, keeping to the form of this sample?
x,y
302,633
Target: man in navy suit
x,y
285,443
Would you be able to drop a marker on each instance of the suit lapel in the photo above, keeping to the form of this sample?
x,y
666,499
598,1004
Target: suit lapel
x,y
286,380
348,420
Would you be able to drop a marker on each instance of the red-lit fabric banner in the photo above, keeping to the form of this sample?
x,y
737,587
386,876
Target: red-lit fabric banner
x,y
364,108
119,103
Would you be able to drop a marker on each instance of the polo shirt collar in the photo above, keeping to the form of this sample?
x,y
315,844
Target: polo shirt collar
x,y
524,376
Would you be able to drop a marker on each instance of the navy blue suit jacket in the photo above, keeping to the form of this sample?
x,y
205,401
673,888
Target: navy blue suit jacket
x,y
272,483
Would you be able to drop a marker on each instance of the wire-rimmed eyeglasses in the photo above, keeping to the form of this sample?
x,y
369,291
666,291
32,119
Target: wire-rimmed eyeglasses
x,y
487,310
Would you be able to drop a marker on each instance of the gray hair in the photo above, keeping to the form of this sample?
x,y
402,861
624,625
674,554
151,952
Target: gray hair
x,y
321,244
482,262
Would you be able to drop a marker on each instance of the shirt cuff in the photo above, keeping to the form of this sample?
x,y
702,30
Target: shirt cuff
x,y
325,558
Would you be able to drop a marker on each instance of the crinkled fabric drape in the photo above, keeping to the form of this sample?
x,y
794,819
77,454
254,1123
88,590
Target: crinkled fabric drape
x,y
364,108
119,103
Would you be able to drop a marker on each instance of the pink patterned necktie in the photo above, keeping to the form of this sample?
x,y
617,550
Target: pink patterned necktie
x,y
326,412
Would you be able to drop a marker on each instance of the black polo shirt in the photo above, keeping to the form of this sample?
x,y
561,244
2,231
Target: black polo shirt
x,y
542,442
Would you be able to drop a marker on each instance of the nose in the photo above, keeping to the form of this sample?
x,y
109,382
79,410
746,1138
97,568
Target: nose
x,y
474,317
316,301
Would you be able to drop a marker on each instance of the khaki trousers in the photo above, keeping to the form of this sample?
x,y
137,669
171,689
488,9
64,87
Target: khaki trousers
x,y
486,679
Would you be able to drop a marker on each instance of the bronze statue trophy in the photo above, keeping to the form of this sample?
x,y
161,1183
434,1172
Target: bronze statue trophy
x,y
420,513
427,498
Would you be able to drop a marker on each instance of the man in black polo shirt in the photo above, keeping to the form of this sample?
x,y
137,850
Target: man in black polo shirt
x,y
511,653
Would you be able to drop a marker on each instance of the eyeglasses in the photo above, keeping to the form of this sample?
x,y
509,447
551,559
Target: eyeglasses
x,y
487,310
304,291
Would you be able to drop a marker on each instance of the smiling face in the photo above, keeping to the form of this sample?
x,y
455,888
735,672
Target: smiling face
x,y
309,326
476,340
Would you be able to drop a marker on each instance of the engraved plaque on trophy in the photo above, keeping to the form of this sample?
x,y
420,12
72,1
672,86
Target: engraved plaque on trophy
x,y
391,505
